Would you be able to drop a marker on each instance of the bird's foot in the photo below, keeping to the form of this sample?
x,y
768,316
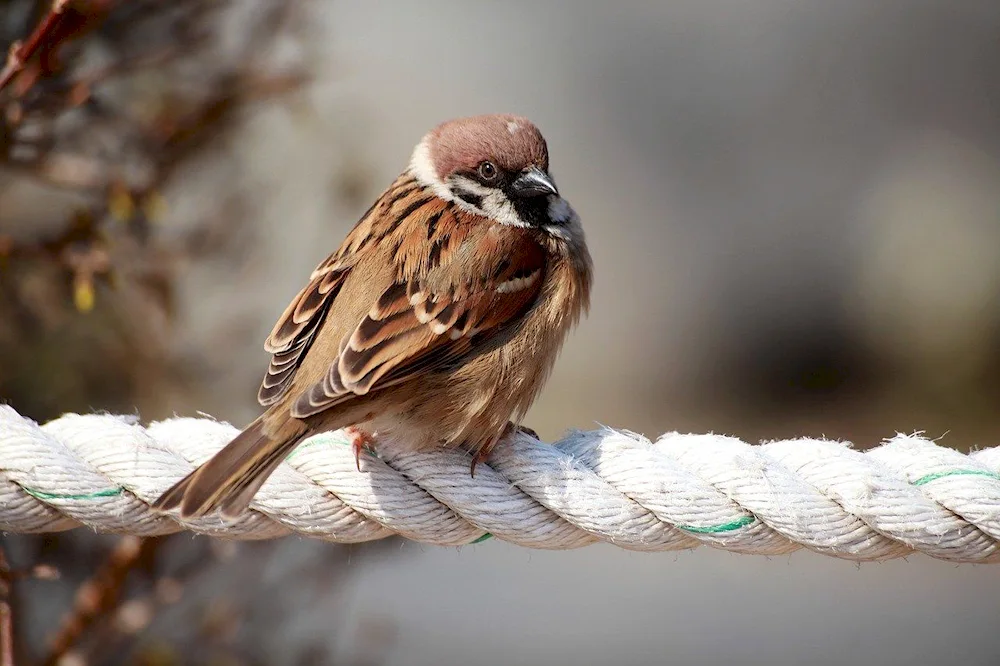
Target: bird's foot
x,y
360,439
481,455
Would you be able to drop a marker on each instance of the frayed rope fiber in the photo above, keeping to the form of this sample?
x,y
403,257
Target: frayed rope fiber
x,y
682,491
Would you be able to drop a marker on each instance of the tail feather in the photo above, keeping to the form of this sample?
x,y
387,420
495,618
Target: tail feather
x,y
231,478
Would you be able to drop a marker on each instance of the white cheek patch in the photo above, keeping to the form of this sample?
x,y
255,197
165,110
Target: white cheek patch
x,y
494,204
499,207
422,168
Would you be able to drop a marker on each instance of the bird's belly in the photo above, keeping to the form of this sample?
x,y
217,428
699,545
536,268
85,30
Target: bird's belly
x,y
468,407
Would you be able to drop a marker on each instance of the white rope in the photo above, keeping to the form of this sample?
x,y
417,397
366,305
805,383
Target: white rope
x,y
680,492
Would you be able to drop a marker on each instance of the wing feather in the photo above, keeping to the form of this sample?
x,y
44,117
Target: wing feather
x,y
435,317
296,328
458,284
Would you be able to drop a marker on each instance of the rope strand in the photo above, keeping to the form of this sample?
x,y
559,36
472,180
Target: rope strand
x,y
908,495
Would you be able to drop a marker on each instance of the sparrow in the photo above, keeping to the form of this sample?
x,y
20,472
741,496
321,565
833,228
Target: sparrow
x,y
436,322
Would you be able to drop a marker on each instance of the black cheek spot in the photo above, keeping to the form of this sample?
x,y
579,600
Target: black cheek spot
x,y
472,199
533,210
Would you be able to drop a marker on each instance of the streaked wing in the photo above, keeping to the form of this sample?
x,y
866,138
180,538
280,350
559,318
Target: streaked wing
x,y
297,326
464,284
295,330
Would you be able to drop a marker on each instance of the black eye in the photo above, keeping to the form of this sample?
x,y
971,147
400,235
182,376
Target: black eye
x,y
488,171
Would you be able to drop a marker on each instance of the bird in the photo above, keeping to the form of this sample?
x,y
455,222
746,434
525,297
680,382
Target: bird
x,y
437,321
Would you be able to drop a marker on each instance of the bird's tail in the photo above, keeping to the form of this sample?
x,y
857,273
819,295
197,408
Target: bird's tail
x,y
230,479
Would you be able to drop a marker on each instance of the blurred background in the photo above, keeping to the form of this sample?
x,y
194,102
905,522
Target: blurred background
x,y
794,212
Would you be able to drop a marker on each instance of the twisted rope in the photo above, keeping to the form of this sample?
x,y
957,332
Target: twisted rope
x,y
682,491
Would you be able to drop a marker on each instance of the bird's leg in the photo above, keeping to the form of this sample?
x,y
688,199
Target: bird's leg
x,y
360,439
482,454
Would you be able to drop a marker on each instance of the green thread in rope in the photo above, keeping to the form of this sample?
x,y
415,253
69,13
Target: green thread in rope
x,y
481,539
327,438
955,472
110,492
724,527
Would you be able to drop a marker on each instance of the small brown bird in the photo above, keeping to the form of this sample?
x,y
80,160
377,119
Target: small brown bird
x,y
438,319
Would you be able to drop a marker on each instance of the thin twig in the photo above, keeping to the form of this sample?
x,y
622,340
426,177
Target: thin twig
x,y
134,615
7,578
99,595
6,634
6,614
20,53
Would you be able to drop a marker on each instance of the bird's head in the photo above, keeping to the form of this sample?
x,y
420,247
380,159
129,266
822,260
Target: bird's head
x,y
496,166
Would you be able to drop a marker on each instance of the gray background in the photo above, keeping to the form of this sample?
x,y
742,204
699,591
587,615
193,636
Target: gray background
x,y
793,209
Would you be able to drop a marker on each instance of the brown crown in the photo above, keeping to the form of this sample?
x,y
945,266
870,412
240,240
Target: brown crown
x,y
462,144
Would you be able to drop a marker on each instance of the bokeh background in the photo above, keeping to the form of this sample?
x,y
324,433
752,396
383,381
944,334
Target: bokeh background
x,y
794,212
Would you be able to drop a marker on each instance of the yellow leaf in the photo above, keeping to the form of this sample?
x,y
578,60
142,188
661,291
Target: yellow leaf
x,y
120,204
83,295
154,205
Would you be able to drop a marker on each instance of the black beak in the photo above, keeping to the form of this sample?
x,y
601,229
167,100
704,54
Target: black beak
x,y
533,182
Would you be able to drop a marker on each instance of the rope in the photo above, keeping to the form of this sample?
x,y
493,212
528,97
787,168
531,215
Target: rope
x,y
908,495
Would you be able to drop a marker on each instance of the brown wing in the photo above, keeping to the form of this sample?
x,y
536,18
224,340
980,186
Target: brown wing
x,y
296,328
466,284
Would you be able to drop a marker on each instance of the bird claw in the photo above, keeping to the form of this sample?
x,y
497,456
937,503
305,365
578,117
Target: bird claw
x,y
359,440
481,454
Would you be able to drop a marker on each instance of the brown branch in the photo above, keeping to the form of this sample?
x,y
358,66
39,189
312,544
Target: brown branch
x,y
6,614
7,578
99,595
20,53
134,615
6,634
